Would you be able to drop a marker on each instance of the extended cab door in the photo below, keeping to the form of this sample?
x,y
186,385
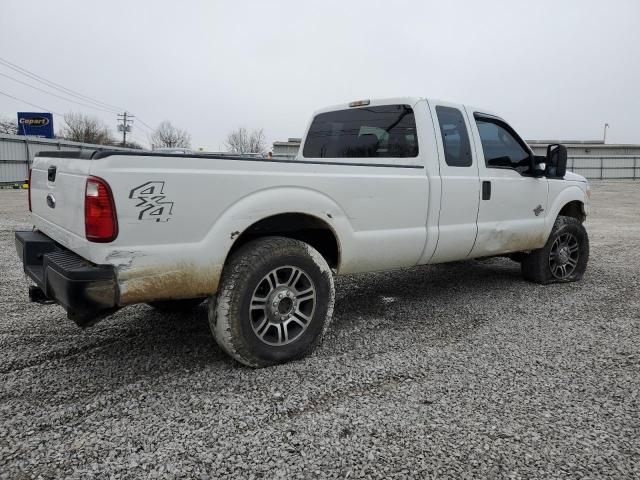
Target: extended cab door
x,y
513,205
460,191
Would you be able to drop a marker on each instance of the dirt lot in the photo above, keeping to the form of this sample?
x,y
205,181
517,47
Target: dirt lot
x,y
460,370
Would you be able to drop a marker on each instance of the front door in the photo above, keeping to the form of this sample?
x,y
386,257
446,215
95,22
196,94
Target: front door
x,y
460,191
513,205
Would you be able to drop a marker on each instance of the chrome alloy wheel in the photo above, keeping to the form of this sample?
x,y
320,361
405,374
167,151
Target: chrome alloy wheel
x,y
564,256
282,305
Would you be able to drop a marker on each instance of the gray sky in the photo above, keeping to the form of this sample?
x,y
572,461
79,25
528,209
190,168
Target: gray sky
x,y
553,69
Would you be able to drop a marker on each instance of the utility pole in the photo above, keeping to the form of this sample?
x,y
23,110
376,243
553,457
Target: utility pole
x,y
126,120
604,137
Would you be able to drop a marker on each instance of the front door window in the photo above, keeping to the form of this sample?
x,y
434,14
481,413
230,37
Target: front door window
x,y
501,149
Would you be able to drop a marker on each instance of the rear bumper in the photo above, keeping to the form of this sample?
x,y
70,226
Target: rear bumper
x,y
88,292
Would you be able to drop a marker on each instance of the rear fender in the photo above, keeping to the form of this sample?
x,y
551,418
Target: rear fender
x,y
274,201
153,274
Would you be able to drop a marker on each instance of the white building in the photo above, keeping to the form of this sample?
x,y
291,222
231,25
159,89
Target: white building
x,y
288,149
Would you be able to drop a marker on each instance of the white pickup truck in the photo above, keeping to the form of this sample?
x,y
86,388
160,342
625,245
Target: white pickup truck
x,y
376,185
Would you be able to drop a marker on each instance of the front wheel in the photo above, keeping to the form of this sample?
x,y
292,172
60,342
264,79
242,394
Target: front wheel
x,y
274,302
563,258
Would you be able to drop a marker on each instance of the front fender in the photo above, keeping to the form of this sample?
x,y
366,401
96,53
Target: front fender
x,y
571,193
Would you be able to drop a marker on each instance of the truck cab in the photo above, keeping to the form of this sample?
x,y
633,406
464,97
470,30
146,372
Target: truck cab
x,y
487,193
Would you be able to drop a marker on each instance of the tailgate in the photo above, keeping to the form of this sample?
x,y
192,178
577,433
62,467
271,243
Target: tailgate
x,y
57,194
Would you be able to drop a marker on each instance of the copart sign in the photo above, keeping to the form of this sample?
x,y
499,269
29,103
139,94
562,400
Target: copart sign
x,y
35,124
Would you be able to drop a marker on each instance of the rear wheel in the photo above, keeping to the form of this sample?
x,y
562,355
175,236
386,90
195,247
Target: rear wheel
x,y
563,258
274,302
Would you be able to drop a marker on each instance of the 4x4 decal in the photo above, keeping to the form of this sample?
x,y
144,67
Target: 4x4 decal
x,y
151,201
538,210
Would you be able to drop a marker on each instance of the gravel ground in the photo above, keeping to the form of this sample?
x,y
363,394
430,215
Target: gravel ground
x,y
460,370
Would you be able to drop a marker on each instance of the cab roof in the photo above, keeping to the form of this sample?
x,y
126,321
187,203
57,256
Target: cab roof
x,y
411,100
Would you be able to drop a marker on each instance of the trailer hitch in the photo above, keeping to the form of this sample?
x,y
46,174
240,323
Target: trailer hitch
x,y
38,296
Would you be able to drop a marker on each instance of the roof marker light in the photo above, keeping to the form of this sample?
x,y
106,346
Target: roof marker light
x,y
359,103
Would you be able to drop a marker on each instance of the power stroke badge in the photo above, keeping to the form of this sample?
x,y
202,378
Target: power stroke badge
x,y
152,202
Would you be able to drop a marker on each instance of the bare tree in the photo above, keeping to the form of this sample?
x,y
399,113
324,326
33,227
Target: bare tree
x,y
166,135
83,128
8,126
245,141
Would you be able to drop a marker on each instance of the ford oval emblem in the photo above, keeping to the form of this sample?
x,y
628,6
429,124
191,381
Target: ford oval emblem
x,y
51,200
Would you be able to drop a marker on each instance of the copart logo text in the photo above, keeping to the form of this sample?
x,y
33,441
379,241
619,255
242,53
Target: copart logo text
x,y
34,121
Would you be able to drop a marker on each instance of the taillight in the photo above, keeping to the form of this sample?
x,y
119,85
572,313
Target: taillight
x,y
100,221
29,192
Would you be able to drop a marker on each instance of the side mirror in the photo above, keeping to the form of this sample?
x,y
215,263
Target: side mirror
x,y
556,160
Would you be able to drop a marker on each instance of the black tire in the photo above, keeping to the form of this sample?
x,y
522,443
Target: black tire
x,y
546,264
517,256
244,318
173,306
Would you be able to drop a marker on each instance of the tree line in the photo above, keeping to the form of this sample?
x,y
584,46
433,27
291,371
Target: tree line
x,y
80,127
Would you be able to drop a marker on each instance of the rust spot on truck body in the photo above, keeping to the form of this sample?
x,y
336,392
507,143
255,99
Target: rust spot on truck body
x,y
167,282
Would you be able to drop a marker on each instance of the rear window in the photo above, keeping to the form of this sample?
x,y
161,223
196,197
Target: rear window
x,y
457,150
371,132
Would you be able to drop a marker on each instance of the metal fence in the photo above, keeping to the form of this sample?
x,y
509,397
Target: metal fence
x,y
12,171
605,167
16,153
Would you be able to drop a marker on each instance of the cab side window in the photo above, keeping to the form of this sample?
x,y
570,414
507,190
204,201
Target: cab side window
x,y
455,139
501,149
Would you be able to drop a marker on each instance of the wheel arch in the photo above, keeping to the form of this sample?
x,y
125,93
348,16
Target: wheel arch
x,y
575,209
570,202
293,212
305,227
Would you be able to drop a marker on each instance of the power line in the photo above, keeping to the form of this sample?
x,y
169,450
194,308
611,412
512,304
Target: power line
x,y
32,104
101,106
56,95
54,85
145,124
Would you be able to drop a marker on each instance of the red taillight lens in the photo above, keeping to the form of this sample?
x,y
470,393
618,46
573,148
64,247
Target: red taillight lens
x,y
100,221
29,192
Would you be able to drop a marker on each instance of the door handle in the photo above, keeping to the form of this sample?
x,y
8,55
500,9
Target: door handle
x,y
51,173
486,190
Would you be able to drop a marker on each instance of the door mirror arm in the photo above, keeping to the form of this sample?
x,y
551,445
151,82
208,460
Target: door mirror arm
x,y
538,165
